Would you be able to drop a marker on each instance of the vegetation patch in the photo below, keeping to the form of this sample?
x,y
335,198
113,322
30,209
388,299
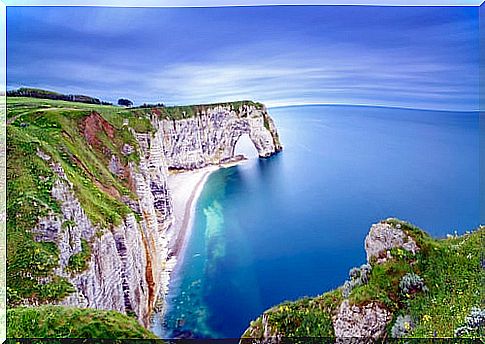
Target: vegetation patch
x,y
30,181
307,317
79,262
70,322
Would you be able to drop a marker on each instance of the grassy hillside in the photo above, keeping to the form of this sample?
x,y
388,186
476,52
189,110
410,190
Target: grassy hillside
x,y
81,138
452,270
57,322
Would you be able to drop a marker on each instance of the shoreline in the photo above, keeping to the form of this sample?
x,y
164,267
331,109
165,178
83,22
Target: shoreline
x,y
185,188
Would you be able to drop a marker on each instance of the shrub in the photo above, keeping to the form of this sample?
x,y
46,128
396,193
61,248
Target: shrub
x,y
354,273
125,102
347,289
403,326
474,323
365,271
358,276
411,283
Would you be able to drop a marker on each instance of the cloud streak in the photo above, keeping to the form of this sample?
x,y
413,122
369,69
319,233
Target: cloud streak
x,y
280,56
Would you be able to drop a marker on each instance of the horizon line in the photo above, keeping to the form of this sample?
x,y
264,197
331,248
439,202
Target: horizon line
x,y
374,106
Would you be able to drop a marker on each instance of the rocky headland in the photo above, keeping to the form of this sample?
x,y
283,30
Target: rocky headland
x,y
412,286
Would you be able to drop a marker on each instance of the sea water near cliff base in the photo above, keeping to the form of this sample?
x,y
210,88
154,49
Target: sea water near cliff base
x,y
293,225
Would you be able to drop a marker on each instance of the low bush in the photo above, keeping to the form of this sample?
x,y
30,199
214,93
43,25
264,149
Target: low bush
x,y
474,324
411,283
403,326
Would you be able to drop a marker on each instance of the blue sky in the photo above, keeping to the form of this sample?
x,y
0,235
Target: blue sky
x,y
423,57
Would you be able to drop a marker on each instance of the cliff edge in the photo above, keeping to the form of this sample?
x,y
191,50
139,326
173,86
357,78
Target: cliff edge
x,y
412,286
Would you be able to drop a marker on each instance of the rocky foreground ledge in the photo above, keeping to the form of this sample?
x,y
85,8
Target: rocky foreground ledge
x,y
411,286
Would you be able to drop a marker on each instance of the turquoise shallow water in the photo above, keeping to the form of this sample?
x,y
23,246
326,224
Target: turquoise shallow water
x,y
293,225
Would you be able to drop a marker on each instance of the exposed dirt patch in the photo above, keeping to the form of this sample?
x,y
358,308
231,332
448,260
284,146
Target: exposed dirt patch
x,y
156,112
109,189
92,125
149,272
130,180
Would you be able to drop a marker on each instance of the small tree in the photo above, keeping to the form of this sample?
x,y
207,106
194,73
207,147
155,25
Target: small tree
x,y
124,102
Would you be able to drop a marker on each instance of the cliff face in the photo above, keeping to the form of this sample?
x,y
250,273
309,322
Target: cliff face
x,y
211,136
117,274
127,262
126,266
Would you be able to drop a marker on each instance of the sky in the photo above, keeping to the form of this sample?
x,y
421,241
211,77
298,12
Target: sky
x,y
419,57
213,3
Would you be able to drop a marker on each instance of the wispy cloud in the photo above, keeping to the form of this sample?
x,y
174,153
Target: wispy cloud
x,y
202,55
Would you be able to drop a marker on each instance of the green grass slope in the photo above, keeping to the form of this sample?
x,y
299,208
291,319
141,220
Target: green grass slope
x,y
453,273
68,322
58,128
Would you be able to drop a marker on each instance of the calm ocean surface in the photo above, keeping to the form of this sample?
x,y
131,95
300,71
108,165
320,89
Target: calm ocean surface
x,y
293,225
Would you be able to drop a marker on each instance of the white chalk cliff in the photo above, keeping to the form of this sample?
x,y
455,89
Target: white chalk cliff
x,y
211,136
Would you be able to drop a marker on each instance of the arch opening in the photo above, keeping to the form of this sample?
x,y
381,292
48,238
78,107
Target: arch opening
x,y
245,146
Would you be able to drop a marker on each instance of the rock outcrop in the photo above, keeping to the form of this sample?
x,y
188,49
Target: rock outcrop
x,y
211,136
129,265
383,237
367,321
370,320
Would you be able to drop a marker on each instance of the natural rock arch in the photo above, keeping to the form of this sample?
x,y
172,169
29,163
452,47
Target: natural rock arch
x,y
210,137
245,147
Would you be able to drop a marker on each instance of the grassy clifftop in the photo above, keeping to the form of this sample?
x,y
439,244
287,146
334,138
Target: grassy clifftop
x,y
180,112
81,138
68,322
453,274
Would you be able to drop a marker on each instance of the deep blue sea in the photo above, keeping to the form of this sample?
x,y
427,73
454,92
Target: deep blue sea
x,y
293,225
